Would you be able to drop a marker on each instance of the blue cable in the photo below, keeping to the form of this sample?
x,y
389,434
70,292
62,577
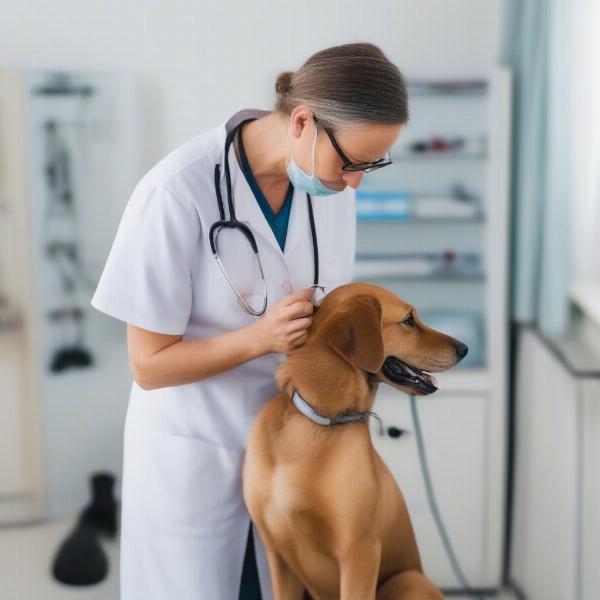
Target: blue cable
x,y
433,504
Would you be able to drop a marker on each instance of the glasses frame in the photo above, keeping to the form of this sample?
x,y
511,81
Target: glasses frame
x,y
367,167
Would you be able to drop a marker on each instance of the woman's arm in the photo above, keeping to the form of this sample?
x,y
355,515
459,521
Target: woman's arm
x,y
158,360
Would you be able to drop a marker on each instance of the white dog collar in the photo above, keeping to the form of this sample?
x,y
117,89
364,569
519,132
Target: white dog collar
x,y
306,409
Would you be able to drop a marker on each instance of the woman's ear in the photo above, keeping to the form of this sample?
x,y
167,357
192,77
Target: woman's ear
x,y
354,332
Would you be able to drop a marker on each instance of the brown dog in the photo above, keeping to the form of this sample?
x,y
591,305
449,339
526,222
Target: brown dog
x,y
331,515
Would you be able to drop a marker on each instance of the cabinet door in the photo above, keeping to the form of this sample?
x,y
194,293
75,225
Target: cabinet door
x,y
545,559
453,429
590,490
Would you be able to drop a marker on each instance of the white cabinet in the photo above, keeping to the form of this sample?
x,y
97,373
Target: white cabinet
x,y
68,161
590,488
555,550
433,229
452,424
543,544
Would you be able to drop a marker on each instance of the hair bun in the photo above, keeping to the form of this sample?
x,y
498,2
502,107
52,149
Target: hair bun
x,y
283,85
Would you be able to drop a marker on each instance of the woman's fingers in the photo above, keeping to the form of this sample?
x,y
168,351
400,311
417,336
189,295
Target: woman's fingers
x,y
299,324
298,341
299,309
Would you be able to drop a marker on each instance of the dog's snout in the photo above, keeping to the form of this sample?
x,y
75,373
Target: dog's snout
x,y
461,349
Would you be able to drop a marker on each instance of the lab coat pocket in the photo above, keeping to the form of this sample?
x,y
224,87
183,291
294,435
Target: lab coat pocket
x,y
191,486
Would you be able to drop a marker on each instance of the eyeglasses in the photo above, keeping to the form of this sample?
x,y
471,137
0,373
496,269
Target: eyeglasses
x,y
367,167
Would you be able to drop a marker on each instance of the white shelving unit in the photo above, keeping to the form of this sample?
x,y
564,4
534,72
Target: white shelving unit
x,y
465,422
21,464
60,421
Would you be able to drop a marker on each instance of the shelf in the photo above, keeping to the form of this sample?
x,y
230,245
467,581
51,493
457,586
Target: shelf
x,y
407,156
446,94
422,220
419,266
428,278
386,268
473,87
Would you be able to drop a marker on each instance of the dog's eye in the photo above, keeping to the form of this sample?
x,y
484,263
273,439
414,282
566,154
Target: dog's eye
x,y
409,320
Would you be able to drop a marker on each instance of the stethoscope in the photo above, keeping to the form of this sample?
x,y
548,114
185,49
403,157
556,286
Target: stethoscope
x,y
233,223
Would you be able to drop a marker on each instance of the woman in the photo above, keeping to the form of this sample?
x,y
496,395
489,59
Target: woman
x,y
203,360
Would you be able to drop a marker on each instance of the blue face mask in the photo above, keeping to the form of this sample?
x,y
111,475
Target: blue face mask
x,y
305,182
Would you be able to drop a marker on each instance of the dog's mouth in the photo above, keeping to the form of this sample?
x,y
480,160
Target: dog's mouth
x,y
404,374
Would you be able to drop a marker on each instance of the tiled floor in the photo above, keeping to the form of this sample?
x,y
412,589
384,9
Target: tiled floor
x,y
26,557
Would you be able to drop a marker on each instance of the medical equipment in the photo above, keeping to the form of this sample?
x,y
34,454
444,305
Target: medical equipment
x,y
233,223
61,244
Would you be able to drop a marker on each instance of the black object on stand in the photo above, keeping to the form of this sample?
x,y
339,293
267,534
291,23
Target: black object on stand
x,y
80,559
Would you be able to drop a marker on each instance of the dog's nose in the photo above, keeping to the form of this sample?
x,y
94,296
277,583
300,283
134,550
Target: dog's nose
x,y
461,349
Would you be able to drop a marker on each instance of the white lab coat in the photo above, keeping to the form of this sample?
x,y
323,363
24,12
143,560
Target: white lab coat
x,y
184,523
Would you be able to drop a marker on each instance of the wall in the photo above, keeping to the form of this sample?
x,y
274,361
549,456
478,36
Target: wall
x,y
585,138
199,62
203,60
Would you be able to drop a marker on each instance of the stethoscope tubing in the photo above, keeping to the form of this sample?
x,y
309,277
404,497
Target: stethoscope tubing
x,y
233,223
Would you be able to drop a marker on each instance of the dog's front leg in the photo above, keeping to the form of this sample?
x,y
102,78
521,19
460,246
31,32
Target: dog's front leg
x,y
285,583
409,585
359,569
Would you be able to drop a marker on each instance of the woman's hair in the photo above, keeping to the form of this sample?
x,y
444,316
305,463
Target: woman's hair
x,y
346,85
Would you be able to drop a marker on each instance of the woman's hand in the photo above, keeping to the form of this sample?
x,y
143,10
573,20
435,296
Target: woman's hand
x,y
284,325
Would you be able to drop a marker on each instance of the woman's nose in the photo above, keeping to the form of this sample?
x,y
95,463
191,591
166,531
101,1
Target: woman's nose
x,y
352,178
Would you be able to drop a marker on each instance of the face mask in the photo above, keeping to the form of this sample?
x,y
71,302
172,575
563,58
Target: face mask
x,y
305,182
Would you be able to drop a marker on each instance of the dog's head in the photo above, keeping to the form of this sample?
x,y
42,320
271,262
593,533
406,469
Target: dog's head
x,y
381,334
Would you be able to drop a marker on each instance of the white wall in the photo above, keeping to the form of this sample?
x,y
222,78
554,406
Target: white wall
x,y
585,138
201,61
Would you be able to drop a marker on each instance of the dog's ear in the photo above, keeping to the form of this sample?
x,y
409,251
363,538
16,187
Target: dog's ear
x,y
354,331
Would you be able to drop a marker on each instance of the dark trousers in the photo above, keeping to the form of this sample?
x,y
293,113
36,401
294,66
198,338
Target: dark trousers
x,y
250,585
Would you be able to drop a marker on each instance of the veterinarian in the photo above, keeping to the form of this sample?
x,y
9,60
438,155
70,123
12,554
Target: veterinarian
x,y
202,355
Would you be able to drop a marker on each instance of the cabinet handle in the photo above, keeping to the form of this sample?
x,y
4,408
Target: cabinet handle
x,y
394,432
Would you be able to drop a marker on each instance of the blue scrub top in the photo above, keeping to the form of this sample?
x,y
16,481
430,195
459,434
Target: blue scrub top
x,y
277,221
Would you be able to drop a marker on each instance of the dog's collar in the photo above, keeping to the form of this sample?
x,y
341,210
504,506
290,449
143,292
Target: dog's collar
x,y
306,409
